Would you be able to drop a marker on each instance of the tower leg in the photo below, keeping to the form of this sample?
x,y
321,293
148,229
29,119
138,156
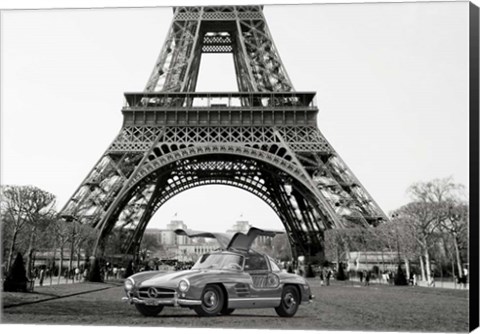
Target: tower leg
x,y
94,272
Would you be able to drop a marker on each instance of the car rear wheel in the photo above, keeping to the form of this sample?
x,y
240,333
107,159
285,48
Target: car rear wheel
x,y
227,311
149,311
212,301
290,302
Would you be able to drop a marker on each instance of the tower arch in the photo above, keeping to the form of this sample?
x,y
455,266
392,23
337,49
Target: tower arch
x,y
260,177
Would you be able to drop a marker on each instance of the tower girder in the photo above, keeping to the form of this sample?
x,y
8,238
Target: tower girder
x,y
174,138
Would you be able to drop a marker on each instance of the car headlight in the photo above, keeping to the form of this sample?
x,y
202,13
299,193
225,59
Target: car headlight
x,y
183,285
129,283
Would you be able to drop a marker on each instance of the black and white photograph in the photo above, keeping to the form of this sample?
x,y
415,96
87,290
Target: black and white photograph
x,y
217,165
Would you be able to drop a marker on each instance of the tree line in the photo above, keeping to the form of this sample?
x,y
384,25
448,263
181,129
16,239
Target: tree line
x,y
30,225
431,231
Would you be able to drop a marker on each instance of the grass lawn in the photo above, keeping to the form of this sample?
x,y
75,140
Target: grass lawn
x,y
394,308
340,306
48,292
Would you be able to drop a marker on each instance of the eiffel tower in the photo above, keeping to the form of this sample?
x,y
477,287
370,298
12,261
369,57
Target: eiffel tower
x,y
263,139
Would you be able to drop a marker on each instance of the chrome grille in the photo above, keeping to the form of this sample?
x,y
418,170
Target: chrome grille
x,y
156,293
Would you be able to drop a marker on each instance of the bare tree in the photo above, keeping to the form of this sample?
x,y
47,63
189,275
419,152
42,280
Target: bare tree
x,y
85,240
436,191
340,242
333,245
116,241
22,207
74,232
401,238
428,212
456,224
150,242
423,218
14,211
62,232
39,217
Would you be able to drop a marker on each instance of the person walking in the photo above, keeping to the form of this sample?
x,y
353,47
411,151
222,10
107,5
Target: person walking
x,y
367,278
130,270
465,277
432,281
327,275
42,276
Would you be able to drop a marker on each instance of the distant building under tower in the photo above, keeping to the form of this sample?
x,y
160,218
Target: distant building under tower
x,y
240,226
181,248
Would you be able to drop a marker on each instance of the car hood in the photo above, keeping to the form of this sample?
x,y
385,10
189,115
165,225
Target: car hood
x,y
171,279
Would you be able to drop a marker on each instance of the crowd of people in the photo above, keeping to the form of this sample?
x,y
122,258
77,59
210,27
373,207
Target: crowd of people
x,y
42,273
389,277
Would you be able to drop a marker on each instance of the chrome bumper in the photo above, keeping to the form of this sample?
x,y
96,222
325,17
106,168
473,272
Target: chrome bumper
x,y
175,301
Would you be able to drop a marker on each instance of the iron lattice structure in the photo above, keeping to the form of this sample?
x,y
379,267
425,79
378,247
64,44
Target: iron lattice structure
x,y
263,139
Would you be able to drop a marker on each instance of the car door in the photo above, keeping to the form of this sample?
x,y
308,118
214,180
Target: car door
x,y
265,290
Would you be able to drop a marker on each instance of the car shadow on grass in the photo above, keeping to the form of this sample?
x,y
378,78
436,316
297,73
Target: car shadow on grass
x,y
222,317
261,316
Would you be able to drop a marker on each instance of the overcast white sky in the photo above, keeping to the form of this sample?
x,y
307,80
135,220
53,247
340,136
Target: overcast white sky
x,y
391,83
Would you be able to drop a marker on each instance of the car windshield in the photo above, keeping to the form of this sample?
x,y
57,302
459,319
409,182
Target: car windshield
x,y
219,261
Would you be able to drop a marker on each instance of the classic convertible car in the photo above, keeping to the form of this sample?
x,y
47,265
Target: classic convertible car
x,y
232,278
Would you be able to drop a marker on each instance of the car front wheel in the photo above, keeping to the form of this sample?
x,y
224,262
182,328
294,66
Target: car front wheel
x,y
149,311
212,301
290,302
